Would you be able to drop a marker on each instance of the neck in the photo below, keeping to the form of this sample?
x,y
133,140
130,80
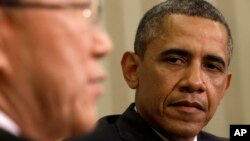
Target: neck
x,y
29,120
164,138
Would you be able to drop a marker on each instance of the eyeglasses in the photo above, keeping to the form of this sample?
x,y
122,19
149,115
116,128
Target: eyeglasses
x,y
87,11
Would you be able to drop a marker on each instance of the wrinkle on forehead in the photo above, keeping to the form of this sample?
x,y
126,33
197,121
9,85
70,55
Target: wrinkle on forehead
x,y
173,25
198,33
189,26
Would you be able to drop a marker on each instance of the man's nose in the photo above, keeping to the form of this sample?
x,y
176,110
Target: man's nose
x,y
102,43
193,80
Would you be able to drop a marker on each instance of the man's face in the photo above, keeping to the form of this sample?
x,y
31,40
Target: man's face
x,y
54,55
183,75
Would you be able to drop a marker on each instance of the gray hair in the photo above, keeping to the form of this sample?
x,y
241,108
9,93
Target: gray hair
x,y
150,25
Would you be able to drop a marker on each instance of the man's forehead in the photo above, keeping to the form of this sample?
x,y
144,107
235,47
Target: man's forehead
x,y
60,1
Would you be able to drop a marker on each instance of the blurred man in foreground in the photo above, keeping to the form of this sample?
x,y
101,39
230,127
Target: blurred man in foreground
x,y
50,72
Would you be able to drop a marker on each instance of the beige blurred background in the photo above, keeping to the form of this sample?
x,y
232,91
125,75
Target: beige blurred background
x,y
121,18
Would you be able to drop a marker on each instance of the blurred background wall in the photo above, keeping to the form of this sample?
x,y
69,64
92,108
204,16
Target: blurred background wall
x,y
121,18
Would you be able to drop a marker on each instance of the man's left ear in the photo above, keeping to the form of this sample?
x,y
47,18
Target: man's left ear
x,y
130,63
227,83
229,76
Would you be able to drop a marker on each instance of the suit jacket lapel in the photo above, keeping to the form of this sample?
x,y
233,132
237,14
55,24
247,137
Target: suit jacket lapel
x,y
132,127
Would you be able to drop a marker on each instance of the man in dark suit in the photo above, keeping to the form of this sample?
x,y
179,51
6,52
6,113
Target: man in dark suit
x,y
180,72
50,70
130,126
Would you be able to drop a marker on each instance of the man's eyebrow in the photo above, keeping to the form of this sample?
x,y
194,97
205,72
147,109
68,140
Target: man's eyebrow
x,y
216,58
181,52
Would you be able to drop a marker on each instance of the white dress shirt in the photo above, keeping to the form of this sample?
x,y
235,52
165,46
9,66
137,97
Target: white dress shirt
x,y
7,124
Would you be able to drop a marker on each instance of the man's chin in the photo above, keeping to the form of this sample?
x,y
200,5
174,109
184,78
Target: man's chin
x,y
80,130
88,122
83,118
83,128
185,132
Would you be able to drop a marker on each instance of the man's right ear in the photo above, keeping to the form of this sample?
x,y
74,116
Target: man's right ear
x,y
130,64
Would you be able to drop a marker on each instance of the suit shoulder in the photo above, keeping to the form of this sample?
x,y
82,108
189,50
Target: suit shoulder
x,y
205,136
106,130
111,119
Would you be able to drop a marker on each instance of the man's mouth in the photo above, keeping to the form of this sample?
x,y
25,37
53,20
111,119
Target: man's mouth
x,y
188,106
94,85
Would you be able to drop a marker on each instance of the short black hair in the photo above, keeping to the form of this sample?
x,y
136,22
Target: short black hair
x,y
150,24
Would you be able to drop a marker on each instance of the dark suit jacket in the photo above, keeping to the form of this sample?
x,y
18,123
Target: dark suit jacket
x,y
131,127
5,136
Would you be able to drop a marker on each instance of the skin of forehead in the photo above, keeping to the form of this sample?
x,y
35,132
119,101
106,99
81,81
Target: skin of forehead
x,y
171,20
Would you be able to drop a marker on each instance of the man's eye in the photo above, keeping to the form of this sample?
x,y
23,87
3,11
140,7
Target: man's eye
x,y
175,60
214,67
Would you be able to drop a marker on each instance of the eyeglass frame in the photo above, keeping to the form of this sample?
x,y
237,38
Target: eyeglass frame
x,y
85,7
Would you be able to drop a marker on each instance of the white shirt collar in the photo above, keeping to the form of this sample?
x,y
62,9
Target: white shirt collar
x,y
7,124
160,135
195,139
